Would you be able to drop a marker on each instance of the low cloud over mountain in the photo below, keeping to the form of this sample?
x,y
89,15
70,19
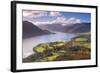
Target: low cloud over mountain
x,y
73,28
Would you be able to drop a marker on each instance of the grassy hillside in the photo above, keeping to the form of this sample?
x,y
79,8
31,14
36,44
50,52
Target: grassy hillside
x,y
79,48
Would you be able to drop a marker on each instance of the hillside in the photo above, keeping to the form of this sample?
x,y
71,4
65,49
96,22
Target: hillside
x,y
72,28
78,28
31,30
79,48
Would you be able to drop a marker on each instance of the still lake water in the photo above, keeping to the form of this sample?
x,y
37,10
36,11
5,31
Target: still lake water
x,y
30,43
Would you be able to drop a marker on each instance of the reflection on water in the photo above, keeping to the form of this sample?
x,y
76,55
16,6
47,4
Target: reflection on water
x,y
30,43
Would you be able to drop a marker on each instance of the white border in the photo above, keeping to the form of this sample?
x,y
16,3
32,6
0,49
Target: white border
x,y
35,65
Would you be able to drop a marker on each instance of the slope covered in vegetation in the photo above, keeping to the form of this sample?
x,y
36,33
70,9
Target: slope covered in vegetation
x,y
79,48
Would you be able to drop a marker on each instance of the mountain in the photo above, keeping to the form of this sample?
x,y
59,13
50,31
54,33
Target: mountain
x,y
52,27
73,28
78,28
30,30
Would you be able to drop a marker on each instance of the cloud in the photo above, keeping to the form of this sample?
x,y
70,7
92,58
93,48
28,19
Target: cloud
x,y
59,20
66,21
62,20
71,21
57,17
55,14
78,21
26,13
34,14
55,21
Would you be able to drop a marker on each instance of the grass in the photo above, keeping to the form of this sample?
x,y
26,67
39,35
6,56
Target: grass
x,y
87,45
59,44
53,57
80,39
40,49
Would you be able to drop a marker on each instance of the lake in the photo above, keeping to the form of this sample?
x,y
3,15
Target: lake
x,y
30,43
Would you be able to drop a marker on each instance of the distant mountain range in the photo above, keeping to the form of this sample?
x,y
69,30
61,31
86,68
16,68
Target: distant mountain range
x,y
73,28
30,30
78,28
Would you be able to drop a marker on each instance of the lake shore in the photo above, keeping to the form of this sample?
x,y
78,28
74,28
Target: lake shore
x,y
78,48
29,43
